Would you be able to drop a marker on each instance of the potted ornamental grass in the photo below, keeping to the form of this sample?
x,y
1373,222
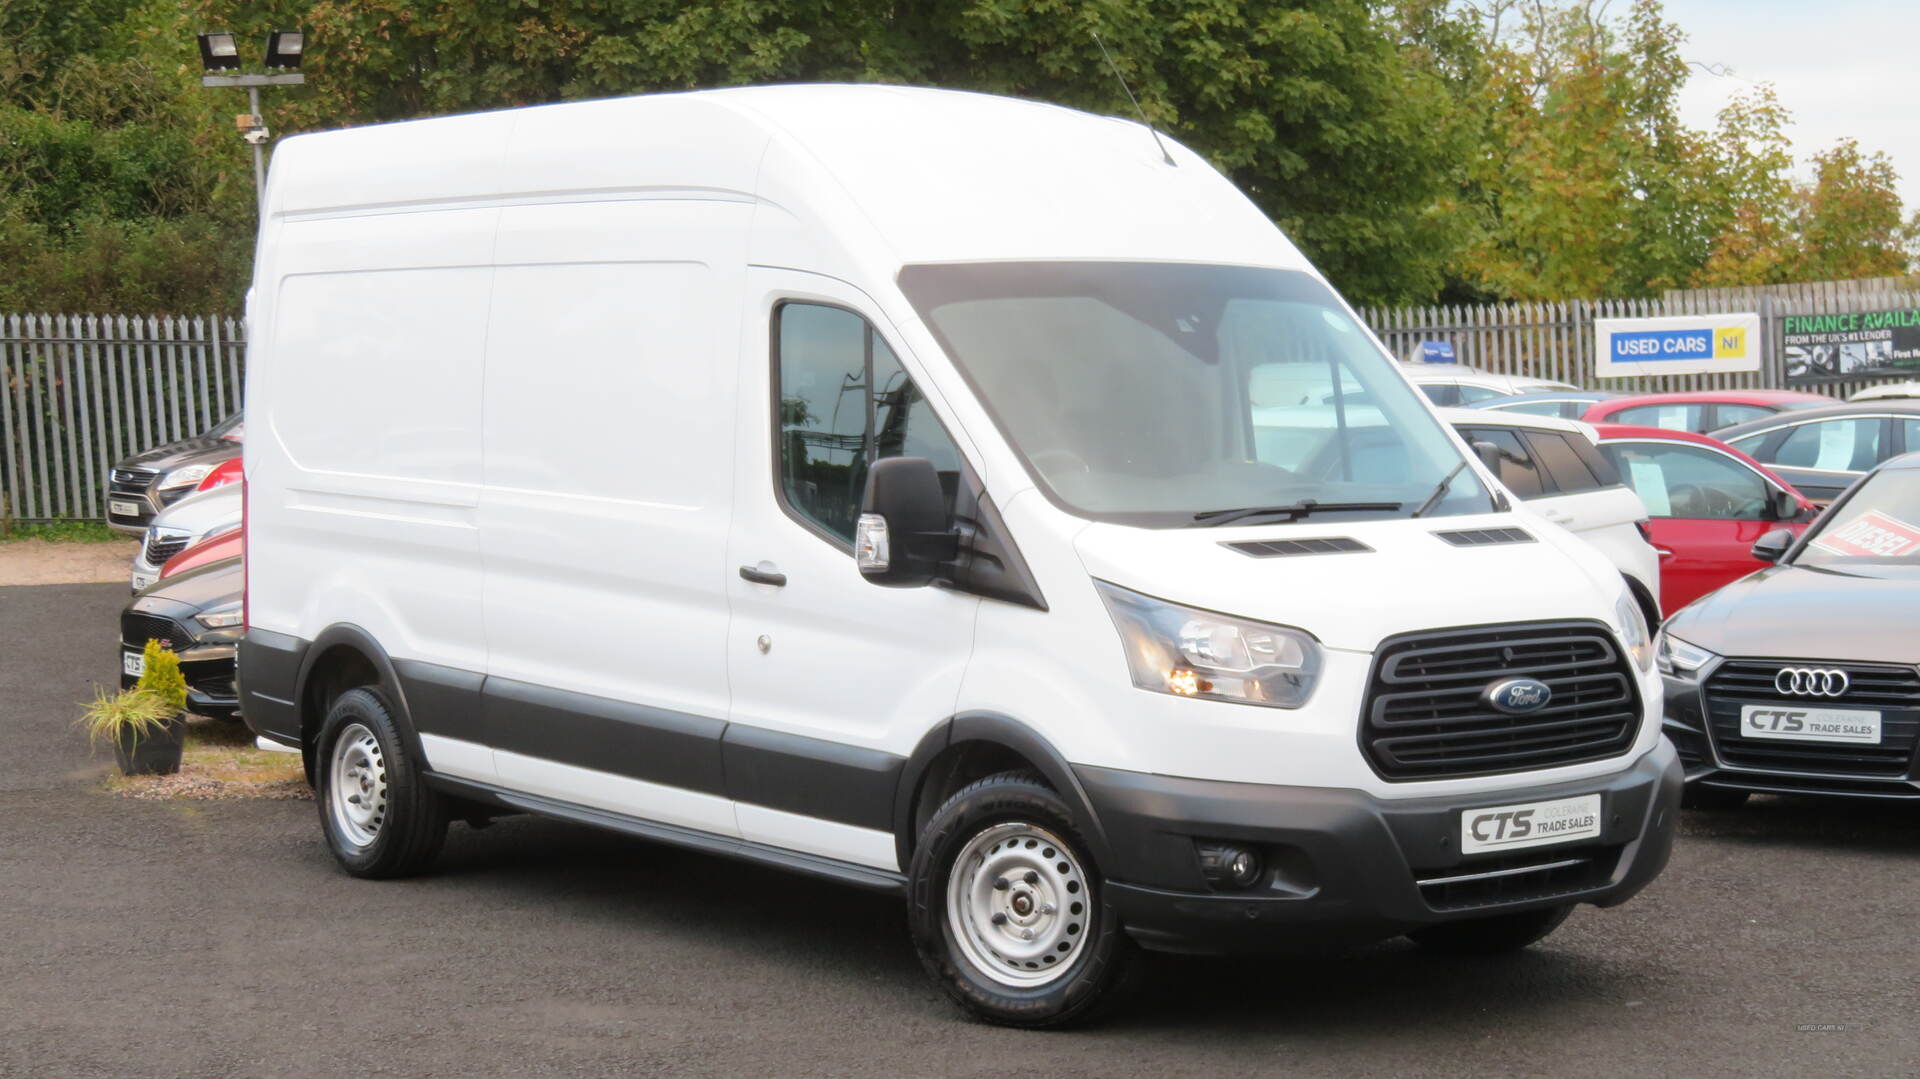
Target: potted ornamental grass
x,y
146,724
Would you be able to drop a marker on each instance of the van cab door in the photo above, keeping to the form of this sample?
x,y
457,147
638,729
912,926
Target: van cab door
x,y
834,679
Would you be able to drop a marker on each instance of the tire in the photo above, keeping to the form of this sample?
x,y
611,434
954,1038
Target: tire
x,y
1696,796
397,831
1496,935
1011,827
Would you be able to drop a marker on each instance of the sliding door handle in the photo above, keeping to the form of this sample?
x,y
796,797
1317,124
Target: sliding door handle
x,y
764,573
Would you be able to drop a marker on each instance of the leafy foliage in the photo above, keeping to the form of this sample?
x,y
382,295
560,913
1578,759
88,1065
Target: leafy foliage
x,y
136,712
1413,148
160,675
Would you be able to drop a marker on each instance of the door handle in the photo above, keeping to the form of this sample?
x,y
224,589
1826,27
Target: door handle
x,y
1558,517
1663,552
764,573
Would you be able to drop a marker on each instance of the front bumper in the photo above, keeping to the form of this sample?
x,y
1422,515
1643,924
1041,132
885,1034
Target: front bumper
x,y
1346,868
1687,726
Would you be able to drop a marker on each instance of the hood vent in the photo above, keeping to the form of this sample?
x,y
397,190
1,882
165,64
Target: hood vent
x,y
1486,537
1281,548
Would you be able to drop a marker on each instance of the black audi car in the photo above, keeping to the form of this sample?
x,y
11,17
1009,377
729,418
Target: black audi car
x,y
141,486
198,615
1804,677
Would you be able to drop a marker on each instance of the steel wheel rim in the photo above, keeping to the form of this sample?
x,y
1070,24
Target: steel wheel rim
x,y
1034,884
359,786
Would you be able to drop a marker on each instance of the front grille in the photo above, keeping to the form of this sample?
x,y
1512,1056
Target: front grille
x,y
1281,548
1894,692
137,629
163,544
130,481
1485,537
1518,878
1427,717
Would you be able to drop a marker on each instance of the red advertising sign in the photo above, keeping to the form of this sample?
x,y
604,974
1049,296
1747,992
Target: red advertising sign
x,y
1871,535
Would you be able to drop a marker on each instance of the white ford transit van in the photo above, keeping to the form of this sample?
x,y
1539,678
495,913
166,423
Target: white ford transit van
x,y
871,482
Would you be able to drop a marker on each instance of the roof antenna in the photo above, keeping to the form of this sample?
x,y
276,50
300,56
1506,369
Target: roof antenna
x,y
1122,80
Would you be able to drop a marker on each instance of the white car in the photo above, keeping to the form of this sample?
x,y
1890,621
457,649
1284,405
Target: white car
x,y
1448,384
1888,390
867,481
1556,468
183,524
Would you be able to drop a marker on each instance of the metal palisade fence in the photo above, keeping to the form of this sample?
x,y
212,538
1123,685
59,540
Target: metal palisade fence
x,y
79,392
1556,340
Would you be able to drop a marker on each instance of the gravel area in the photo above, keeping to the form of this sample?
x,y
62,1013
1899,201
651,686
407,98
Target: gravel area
x,y
42,562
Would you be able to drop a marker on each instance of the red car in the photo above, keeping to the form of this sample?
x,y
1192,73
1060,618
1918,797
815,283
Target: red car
x,y
214,548
1706,503
227,471
1700,410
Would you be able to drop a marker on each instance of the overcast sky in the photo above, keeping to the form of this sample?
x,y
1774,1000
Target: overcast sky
x,y
1842,67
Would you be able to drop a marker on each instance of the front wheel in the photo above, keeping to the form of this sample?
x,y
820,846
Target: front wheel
x,y
1007,910
1493,935
379,817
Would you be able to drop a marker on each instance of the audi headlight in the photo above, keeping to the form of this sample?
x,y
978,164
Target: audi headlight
x,y
1633,630
1680,658
1193,653
185,477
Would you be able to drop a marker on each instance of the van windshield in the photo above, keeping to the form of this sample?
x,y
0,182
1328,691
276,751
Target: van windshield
x,y
1170,394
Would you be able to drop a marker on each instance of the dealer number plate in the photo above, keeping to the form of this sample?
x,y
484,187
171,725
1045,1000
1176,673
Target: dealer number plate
x,y
1791,724
132,663
1529,824
123,509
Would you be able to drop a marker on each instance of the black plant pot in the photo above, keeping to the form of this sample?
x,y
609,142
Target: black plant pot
x,y
157,754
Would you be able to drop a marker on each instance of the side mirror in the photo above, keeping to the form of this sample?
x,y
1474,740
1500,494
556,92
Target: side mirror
x,y
1770,547
904,533
1782,506
1489,456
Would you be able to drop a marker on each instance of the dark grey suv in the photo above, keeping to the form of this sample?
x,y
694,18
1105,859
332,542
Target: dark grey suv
x,y
141,486
1805,677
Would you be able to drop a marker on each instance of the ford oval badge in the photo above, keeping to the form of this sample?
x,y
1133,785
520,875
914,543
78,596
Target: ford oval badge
x,y
1516,696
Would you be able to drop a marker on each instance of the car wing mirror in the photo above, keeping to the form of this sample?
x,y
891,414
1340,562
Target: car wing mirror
x,y
905,535
1772,546
1782,506
1489,455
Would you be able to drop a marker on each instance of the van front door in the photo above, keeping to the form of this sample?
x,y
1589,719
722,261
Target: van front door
x,y
834,679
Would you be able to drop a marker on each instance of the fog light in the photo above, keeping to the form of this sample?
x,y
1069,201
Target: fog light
x,y
1230,866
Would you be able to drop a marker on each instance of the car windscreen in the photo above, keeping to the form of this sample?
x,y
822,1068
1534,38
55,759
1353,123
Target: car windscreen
x,y
1879,525
1160,394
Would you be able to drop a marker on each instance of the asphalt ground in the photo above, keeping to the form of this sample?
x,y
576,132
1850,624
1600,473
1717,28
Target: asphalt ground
x,y
142,938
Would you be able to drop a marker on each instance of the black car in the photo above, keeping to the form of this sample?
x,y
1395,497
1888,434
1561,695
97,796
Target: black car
x,y
1563,404
1803,677
144,484
198,615
1822,451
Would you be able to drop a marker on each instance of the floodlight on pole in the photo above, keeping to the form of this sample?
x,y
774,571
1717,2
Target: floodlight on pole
x,y
218,52
284,48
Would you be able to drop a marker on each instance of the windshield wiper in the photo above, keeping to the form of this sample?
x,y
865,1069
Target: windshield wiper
x,y
1302,508
1440,489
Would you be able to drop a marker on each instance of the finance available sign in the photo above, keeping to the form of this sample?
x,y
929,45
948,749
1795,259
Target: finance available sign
x,y
1680,345
1851,345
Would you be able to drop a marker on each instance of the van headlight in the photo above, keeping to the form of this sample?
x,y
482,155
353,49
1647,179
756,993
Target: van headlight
x,y
1633,630
1194,653
1679,658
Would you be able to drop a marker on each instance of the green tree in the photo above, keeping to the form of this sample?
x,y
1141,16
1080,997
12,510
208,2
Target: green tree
x,y
1307,104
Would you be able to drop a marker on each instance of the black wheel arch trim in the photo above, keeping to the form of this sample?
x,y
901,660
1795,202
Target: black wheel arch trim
x,y
346,633
1008,733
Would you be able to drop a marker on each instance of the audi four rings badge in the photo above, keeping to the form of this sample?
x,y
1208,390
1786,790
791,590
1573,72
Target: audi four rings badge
x,y
1810,681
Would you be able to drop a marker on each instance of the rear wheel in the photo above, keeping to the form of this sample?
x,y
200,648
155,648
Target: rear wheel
x,y
378,815
1007,909
1695,796
1491,936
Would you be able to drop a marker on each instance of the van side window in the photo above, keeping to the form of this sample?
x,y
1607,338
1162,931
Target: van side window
x,y
1518,470
845,402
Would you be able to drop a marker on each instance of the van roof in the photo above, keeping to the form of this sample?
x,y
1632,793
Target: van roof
x,y
931,175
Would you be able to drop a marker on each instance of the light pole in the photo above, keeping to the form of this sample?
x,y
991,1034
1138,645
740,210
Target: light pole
x,y
219,52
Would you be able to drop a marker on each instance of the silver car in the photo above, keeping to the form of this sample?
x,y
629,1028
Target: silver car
x,y
182,525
